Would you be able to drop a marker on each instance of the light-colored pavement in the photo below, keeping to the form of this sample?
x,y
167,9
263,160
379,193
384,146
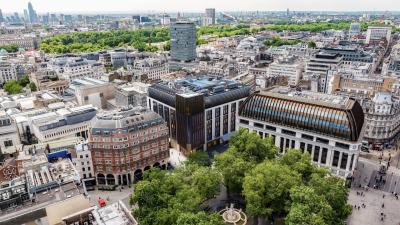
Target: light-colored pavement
x,y
111,196
176,158
371,214
366,175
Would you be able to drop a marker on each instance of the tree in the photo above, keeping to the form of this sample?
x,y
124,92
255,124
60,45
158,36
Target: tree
x,y
200,158
10,48
251,146
312,44
245,151
163,197
32,86
167,46
266,188
233,169
13,87
308,208
300,162
335,192
200,218
24,81
277,41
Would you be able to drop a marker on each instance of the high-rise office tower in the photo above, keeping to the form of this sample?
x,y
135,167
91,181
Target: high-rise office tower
x,y
16,16
26,15
183,41
210,16
32,13
1,16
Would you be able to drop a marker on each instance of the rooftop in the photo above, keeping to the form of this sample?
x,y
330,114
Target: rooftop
x,y
114,214
339,101
129,118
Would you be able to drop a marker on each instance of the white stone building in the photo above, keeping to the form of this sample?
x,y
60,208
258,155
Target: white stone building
x,y
329,128
378,33
83,161
8,71
382,117
154,69
288,67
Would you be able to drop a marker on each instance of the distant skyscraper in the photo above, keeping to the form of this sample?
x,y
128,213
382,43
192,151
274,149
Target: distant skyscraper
x,y
183,41
16,16
32,13
210,15
1,16
355,29
26,15
287,12
46,18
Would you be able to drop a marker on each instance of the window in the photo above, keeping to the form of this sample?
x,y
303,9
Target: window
x,y
341,145
8,143
302,146
316,154
322,140
281,144
244,122
324,155
288,132
271,128
335,160
309,149
343,163
308,137
259,125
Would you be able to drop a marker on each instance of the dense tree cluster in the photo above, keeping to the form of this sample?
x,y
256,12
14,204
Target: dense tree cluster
x,y
312,27
13,87
10,48
287,186
16,87
95,41
174,197
277,41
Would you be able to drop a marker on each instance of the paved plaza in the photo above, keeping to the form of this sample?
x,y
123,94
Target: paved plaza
x,y
371,214
366,177
111,196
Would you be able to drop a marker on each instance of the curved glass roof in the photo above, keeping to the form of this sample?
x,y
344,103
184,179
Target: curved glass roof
x,y
317,117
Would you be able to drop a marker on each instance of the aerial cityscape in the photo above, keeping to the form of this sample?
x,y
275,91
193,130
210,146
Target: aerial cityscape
x,y
205,112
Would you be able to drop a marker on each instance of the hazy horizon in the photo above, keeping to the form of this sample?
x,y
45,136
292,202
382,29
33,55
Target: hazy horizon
x,y
128,6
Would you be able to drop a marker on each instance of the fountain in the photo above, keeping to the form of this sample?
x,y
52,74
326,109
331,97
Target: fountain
x,y
232,216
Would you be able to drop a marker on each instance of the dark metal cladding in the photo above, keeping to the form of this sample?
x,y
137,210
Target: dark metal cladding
x,y
318,117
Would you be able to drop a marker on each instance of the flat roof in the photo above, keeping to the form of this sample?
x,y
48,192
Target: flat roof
x,y
339,101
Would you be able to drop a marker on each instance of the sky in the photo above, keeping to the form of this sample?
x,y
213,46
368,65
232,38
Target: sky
x,y
198,5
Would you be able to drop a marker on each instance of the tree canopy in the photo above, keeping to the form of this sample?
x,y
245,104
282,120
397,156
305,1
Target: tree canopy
x,y
246,149
95,41
13,87
10,48
273,186
267,187
174,197
277,41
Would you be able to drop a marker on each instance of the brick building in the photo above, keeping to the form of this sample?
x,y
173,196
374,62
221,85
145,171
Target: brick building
x,y
126,142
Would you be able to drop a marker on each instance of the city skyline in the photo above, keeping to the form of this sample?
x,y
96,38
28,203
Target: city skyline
x,y
180,5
